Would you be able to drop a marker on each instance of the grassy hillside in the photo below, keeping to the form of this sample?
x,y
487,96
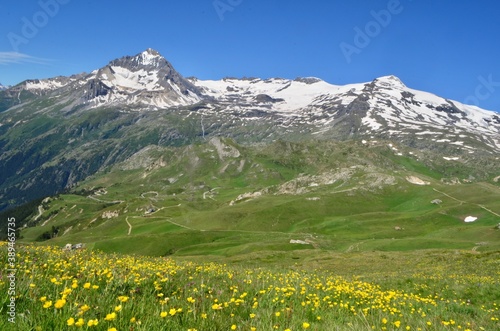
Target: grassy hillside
x,y
220,199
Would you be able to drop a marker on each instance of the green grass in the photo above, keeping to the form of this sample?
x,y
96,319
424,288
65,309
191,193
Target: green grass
x,y
427,290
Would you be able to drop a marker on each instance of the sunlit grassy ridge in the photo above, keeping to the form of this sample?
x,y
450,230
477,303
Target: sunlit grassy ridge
x,y
89,290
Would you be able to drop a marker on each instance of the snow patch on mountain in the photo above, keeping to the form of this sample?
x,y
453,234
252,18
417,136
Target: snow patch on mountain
x,y
283,94
126,79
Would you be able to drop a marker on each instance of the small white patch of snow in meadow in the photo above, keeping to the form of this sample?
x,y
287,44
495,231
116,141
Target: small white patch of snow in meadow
x,y
470,219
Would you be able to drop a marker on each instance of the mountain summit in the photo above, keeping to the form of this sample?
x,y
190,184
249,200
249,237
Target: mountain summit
x,y
144,79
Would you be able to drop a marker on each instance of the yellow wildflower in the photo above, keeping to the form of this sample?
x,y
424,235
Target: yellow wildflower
x,y
93,322
60,303
110,317
123,298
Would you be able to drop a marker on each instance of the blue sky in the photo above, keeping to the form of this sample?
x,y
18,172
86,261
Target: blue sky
x,y
450,48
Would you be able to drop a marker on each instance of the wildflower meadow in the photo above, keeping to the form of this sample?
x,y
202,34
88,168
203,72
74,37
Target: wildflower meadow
x,y
90,290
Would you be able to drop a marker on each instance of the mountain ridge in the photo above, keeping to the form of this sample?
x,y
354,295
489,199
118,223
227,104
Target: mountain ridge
x,y
55,132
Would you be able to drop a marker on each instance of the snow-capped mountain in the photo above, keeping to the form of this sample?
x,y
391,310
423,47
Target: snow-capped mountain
x,y
3,87
384,107
144,79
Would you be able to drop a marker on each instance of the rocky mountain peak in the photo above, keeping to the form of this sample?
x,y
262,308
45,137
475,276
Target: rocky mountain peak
x,y
390,81
149,59
146,78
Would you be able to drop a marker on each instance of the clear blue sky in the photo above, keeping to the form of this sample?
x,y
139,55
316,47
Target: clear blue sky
x,y
450,48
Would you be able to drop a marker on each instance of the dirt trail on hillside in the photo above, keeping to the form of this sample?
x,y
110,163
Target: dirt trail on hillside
x,y
129,226
449,196
462,202
99,200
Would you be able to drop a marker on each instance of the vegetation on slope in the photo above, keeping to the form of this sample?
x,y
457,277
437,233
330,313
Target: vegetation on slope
x,y
66,290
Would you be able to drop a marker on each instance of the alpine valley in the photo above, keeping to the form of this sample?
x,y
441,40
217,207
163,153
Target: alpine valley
x,y
133,157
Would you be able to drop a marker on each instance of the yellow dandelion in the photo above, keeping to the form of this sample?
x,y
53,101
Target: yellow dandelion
x,y
47,304
112,329
132,320
306,325
110,317
118,308
70,321
80,322
163,314
172,311
233,327
84,308
123,298
60,303
93,322
86,285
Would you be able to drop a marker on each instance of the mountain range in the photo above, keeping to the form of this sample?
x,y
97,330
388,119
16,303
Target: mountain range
x,y
56,132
